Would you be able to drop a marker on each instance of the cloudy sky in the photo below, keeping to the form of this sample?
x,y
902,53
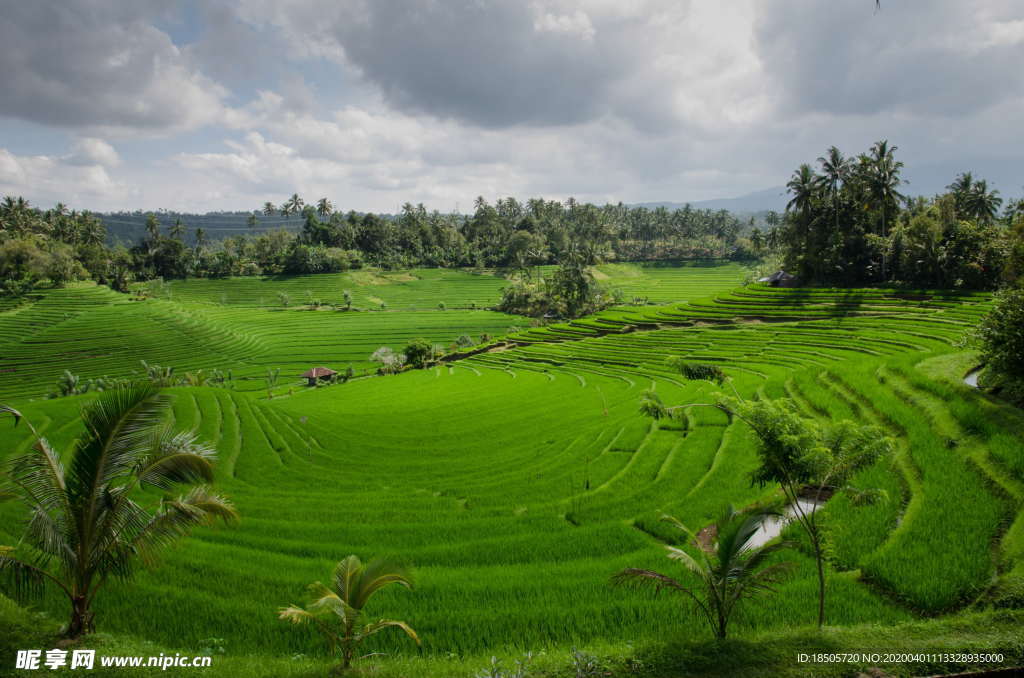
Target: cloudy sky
x,y
218,104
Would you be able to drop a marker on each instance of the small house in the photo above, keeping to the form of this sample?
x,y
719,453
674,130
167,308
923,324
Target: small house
x,y
318,374
779,279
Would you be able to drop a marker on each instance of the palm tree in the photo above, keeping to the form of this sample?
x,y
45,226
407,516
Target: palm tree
x,y
324,208
177,230
883,181
84,526
884,177
269,209
337,610
802,185
834,170
961,189
728,571
295,204
984,204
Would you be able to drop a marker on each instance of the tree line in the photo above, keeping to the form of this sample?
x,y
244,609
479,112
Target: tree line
x,y
848,224
58,245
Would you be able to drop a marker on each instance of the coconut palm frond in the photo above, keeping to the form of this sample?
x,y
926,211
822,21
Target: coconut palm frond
x,y
23,579
325,601
377,574
379,625
295,615
638,577
347,574
727,572
176,517
118,430
686,559
353,585
38,477
4,409
176,458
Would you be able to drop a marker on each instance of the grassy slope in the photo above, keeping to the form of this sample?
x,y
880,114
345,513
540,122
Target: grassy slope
x,y
765,654
516,543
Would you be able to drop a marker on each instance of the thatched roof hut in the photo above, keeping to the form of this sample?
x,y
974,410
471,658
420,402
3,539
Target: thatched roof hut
x,y
318,373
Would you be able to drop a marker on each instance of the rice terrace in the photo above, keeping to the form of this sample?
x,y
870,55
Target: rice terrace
x,y
772,436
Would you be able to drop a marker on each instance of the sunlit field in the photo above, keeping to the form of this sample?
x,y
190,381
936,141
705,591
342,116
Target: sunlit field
x,y
517,481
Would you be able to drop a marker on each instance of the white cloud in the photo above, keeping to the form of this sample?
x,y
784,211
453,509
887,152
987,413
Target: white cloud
x,y
48,180
93,151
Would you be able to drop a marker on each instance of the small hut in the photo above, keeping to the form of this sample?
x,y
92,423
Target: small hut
x,y
318,374
779,279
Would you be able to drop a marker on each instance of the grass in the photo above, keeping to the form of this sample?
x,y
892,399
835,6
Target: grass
x,y
774,653
518,481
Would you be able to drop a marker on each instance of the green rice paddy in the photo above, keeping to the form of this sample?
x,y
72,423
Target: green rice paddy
x,y
519,480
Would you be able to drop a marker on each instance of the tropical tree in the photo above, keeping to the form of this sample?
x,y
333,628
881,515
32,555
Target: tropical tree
x,y
324,208
834,170
802,185
961,189
269,209
727,567
295,204
251,221
984,203
808,459
884,177
87,523
337,611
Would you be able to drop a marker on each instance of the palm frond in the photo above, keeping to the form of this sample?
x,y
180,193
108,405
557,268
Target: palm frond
x,y
686,559
638,577
38,478
377,574
346,577
295,615
176,517
4,409
118,430
23,579
325,601
379,625
175,458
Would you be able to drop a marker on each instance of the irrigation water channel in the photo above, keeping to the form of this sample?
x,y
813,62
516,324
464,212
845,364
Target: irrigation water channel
x,y
971,378
771,526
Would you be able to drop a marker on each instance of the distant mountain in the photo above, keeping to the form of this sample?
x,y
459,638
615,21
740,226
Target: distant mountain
x,y
758,201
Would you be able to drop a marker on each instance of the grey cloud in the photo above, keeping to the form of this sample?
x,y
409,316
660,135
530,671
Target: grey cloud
x,y
86,63
928,59
485,62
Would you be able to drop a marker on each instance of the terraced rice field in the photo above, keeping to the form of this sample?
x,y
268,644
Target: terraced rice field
x,y
519,480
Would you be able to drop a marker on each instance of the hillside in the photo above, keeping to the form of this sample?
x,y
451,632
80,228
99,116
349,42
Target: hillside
x,y
519,480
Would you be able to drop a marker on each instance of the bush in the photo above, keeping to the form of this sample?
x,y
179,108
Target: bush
x,y
1001,336
418,352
